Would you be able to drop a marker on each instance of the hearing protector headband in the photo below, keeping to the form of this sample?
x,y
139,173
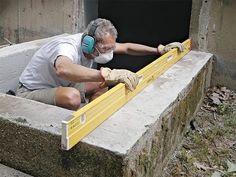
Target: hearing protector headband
x,y
89,40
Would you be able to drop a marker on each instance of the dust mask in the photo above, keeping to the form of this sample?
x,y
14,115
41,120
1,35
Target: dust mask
x,y
103,58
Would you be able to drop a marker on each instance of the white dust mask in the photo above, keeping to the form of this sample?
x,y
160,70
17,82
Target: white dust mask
x,y
103,58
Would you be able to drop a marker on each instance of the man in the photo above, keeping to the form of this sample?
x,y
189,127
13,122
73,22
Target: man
x,y
60,72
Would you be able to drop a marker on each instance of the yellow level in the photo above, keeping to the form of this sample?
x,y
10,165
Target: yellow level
x,y
85,120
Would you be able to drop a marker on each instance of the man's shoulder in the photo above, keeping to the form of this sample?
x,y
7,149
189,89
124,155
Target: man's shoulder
x,y
73,36
73,39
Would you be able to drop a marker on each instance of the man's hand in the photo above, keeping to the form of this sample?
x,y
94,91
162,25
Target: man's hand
x,y
164,49
115,76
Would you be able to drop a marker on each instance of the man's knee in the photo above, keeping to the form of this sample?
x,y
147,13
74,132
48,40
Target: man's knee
x,y
69,98
73,99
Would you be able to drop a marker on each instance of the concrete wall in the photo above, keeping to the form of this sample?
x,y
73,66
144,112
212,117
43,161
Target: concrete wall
x,y
13,60
213,24
25,20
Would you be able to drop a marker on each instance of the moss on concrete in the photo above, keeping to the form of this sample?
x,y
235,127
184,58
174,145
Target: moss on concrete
x,y
157,149
38,153
21,120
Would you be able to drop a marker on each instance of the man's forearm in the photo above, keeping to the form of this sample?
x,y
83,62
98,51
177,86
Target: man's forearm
x,y
135,49
80,73
65,69
139,49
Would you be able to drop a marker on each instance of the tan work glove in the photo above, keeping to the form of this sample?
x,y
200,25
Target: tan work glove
x,y
164,49
115,76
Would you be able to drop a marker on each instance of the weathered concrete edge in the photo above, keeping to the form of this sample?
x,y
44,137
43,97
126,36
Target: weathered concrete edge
x,y
29,113
151,153
38,153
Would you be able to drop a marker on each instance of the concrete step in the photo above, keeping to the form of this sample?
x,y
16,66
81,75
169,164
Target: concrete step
x,y
135,141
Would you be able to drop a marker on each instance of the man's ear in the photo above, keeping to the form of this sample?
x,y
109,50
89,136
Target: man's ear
x,y
88,44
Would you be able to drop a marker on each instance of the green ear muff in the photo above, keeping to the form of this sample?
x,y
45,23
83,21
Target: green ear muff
x,y
88,43
89,40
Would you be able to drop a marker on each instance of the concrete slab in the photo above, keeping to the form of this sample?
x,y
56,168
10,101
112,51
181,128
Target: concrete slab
x,y
135,141
33,114
122,130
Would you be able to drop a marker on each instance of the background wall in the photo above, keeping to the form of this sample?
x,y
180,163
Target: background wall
x,y
150,22
213,27
25,20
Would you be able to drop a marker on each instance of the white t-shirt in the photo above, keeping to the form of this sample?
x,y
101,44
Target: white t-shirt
x,y
40,72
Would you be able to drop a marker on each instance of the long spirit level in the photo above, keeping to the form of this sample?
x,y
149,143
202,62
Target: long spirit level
x,y
85,120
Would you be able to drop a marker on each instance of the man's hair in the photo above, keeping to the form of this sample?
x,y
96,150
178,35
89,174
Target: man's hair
x,y
103,28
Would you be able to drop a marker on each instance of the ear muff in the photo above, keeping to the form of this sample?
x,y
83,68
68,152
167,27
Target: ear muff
x,y
88,40
88,43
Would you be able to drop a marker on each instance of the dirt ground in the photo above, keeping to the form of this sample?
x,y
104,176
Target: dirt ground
x,y
209,146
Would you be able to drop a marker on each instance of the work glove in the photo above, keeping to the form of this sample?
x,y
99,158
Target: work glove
x,y
115,76
162,49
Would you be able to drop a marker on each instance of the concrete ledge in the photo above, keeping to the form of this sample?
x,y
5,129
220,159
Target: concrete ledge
x,y
13,60
136,141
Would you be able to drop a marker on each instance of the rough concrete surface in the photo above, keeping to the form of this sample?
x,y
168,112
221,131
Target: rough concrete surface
x,y
25,20
135,141
10,172
212,29
33,114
